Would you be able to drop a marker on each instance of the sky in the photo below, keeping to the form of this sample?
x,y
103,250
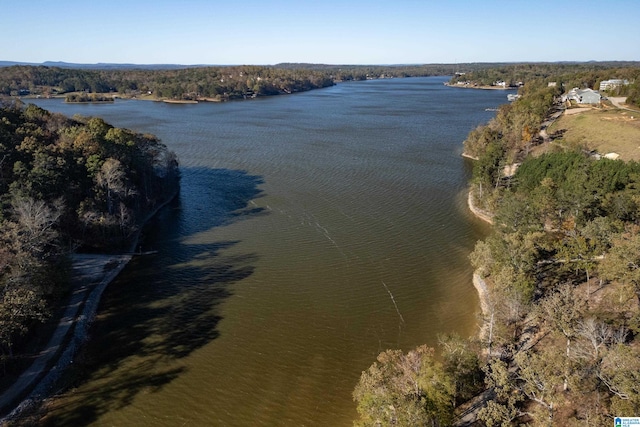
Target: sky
x,y
234,32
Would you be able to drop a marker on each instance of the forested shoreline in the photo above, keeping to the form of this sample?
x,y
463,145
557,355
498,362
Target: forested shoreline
x,y
562,265
66,185
201,83
209,83
206,83
562,272
222,83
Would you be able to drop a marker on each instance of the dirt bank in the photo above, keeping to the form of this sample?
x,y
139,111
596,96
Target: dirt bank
x,y
483,215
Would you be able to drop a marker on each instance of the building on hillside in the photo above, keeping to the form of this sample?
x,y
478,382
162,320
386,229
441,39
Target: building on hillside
x,y
612,84
583,96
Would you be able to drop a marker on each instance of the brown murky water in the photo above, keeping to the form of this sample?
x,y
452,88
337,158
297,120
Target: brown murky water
x,y
312,232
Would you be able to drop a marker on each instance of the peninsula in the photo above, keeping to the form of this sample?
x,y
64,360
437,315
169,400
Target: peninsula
x,y
96,204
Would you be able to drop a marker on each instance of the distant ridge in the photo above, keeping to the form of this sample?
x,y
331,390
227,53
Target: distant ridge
x,y
104,66
294,65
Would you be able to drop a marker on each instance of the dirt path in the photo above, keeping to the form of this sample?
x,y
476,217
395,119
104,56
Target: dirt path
x,y
617,102
91,275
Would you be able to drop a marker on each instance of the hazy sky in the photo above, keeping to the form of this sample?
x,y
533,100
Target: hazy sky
x,y
318,31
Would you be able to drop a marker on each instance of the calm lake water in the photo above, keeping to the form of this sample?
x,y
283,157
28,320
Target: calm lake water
x,y
312,232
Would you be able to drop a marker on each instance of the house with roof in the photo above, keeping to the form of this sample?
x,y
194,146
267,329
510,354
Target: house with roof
x,y
583,96
612,84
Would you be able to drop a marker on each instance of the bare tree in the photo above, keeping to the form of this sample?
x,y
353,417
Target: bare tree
x,y
563,309
596,336
113,178
36,220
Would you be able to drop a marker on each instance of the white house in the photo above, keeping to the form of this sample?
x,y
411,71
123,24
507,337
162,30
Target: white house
x,y
612,84
583,96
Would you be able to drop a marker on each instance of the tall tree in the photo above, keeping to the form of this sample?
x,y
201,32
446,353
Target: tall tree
x,y
405,389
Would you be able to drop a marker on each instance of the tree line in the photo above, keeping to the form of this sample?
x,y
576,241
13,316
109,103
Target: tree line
x,y
190,83
564,75
365,72
85,97
67,184
236,82
562,306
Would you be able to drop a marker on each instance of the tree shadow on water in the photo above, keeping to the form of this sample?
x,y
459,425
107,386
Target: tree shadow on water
x,y
163,306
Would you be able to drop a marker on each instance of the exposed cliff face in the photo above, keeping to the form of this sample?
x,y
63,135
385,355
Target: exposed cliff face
x,y
482,214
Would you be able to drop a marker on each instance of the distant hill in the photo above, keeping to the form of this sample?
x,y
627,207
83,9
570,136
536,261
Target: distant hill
x,y
104,66
410,68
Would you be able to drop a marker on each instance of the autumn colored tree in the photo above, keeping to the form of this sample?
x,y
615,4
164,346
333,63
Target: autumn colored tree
x,y
66,183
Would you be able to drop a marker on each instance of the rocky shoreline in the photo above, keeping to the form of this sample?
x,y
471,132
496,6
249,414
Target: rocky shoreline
x,y
483,295
478,282
482,214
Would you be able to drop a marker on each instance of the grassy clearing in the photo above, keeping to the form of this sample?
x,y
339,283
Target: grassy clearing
x,y
605,130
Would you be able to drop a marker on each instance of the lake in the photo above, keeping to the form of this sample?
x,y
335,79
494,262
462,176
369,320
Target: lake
x,y
312,232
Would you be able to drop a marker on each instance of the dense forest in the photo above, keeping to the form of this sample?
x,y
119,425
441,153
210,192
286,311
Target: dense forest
x,y
196,83
213,83
192,83
239,82
561,280
67,184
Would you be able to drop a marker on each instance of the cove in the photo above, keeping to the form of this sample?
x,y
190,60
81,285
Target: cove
x,y
312,231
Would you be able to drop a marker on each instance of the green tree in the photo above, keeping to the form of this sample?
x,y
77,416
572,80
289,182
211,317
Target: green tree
x,y
461,363
563,310
488,169
620,372
622,262
406,390
21,303
502,410
540,379
510,295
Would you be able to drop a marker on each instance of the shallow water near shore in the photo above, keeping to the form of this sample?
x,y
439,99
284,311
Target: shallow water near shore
x,y
312,232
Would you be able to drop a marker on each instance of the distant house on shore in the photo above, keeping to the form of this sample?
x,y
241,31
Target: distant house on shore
x,y
583,96
612,84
